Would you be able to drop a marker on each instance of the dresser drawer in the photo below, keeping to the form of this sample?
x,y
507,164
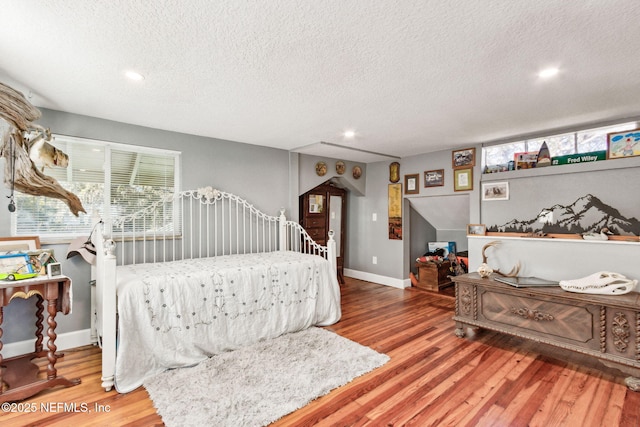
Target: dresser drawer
x,y
317,234
553,319
315,221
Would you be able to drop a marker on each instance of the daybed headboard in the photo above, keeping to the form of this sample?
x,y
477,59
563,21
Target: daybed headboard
x,y
203,223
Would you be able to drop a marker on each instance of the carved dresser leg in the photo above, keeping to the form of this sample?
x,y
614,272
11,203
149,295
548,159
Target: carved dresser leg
x,y
460,332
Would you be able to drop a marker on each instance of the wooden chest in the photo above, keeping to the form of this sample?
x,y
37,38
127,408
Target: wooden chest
x,y
603,326
433,276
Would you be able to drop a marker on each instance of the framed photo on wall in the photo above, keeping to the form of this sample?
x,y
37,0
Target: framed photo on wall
x,y
411,184
476,229
623,144
463,158
395,211
434,178
495,190
463,179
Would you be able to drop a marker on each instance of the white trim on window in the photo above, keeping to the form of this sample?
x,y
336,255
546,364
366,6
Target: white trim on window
x,y
90,175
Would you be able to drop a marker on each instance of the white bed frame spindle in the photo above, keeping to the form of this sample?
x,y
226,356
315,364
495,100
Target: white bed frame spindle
x,y
208,222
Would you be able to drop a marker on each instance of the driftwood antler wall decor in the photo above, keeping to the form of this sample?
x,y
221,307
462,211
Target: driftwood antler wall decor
x,y
20,171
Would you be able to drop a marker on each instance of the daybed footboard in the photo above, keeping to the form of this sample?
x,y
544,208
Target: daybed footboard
x,y
194,224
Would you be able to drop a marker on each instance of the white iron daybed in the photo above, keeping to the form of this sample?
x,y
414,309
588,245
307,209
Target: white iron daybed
x,y
219,274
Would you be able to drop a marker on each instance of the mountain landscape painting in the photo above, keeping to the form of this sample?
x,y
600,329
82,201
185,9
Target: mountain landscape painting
x,y
586,215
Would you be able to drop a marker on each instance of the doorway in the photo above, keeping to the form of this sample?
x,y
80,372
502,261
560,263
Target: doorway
x,y
323,209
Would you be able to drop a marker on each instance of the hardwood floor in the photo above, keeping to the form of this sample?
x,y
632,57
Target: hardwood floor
x,y
433,378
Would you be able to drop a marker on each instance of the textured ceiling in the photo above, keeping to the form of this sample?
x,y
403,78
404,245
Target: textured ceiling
x,y
409,77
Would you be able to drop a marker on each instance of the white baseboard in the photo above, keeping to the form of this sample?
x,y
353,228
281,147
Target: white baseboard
x,y
376,278
64,341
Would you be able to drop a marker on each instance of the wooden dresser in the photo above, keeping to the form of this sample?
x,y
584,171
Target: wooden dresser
x,y
603,326
323,208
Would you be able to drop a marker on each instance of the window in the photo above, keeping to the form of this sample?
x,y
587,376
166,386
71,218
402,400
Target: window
x,y
596,139
497,157
501,154
125,178
559,145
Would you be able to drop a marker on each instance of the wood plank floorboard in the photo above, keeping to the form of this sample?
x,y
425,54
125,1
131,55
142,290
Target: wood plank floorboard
x,y
432,379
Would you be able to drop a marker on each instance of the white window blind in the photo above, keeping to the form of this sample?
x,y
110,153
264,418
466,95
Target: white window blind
x,y
139,180
125,178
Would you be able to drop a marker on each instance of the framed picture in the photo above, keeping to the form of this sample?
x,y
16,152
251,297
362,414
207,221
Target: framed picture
x,y
316,203
527,160
434,178
623,144
40,259
54,269
395,211
495,190
463,179
15,263
476,229
411,184
19,244
462,158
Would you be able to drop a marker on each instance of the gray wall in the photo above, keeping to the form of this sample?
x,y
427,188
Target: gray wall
x,y
458,236
369,238
259,174
256,173
613,181
422,232
308,178
557,259
271,178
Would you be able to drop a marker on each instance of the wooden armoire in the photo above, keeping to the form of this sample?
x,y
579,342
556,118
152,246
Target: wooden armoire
x,y
323,208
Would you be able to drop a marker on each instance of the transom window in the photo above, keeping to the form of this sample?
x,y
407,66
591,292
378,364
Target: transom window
x,y
122,177
584,141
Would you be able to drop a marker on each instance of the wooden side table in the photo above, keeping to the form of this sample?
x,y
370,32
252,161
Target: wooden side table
x,y
19,375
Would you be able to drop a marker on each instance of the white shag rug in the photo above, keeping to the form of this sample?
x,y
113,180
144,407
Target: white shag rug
x,y
261,383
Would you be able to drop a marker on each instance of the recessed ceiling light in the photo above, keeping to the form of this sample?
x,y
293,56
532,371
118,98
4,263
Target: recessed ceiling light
x,y
133,75
548,72
349,134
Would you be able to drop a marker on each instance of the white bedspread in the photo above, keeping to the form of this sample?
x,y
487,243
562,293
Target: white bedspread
x,y
179,313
